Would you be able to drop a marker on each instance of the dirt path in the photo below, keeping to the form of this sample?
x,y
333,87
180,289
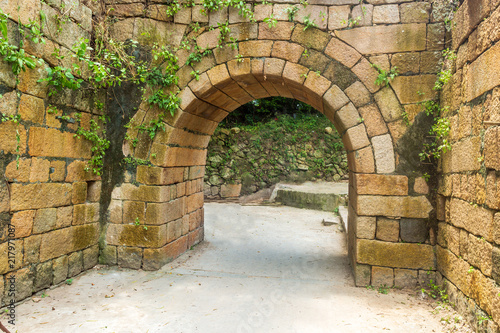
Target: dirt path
x,y
261,269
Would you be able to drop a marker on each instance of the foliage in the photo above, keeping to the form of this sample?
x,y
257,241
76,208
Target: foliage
x,y
274,143
271,21
438,133
291,12
224,30
97,136
436,292
13,55
385,77
60,77
446,72
309,23
265,110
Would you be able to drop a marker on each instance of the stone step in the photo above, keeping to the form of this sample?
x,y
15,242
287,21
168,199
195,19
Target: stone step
x,y
326,196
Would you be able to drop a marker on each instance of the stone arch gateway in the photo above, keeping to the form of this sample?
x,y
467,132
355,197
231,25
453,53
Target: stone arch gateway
x,y
389,237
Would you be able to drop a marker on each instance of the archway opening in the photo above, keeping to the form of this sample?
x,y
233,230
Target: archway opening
x,y
269,141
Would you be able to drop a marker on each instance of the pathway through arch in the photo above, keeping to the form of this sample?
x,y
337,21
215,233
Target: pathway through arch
x,y
261,269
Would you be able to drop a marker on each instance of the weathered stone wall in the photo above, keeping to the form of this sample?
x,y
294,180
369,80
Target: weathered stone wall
x,y
328,67
49,206
150,214
468,249
242,161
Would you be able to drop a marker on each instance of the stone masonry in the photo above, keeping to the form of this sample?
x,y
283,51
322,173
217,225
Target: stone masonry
x,y
66,217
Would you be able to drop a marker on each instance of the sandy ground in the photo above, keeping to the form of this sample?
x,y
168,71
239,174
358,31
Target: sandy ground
x,y
261,269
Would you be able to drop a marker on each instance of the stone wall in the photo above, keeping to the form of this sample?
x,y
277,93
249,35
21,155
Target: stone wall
x,y
49,206
329,67
468,249
146,215
246,160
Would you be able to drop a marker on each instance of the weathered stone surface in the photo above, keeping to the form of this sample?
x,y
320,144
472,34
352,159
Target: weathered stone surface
x,y
315,61
355,138
338,16
361,160
342,52
465,156
338,74
421,186
375,124
414,230
400,255
41,143
34,196
23,223
45,220
136,235
39,171
142,193
32,249
67,240
387,229
347,117
312,37
404,37
474,219
414,89
367,74
8,141
407,63
416,12
75,263
480,254
108,255
129,257
405,278
483,74
389,105
382,276
282,31
333,100
384,153
363,14
31,108
23,283
365,226
362,275
386,14
60,269
155,258
230,190
394,206
380,184
22,10
43,276
148,32
491,152
358,94
5,265
495,258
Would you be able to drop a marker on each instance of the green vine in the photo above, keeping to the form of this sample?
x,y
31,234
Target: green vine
x,y
385,77
96,135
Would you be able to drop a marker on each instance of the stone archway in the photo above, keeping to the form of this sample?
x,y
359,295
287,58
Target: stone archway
x,y
334,78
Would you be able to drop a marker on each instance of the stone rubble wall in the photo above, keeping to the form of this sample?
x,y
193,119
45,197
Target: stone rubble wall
x,y
238,164
468,248
45,194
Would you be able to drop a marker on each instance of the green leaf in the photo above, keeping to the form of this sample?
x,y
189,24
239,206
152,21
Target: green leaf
x,y
3,27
